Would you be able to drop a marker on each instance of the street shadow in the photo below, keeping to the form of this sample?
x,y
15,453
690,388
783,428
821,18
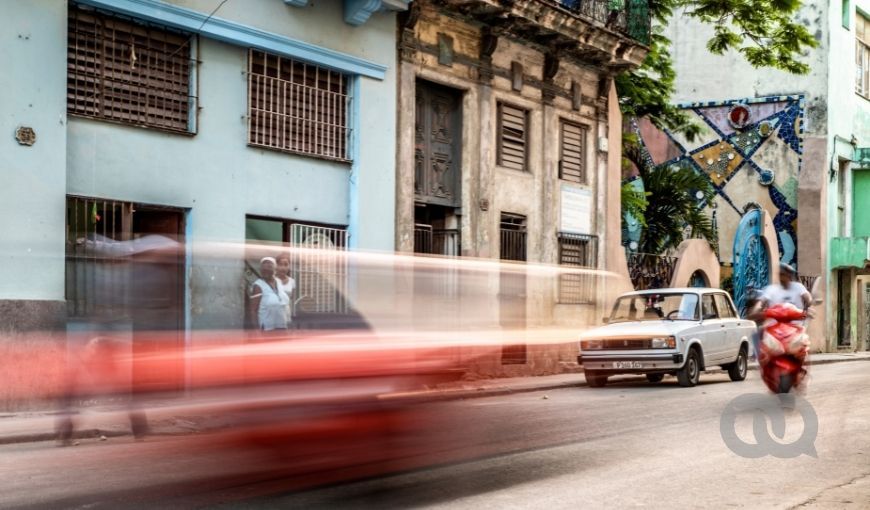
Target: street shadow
x,y
439,485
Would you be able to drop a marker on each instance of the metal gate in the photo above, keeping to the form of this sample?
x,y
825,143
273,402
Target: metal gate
x,y
320,268
751,258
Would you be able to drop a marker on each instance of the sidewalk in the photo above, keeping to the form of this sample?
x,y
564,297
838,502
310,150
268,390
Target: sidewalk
x,y
168,418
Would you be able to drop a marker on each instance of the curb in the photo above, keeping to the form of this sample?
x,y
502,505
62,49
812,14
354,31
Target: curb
x,y
38,437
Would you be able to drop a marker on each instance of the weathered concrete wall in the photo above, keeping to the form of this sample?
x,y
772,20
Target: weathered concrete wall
x,y
705,77
488,189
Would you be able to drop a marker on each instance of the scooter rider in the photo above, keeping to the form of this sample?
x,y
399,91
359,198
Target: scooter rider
x,y
787,290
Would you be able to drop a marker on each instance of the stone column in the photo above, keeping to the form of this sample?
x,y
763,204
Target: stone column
x,y
405,123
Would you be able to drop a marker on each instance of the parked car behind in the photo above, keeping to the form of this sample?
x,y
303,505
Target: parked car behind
x,y
668,331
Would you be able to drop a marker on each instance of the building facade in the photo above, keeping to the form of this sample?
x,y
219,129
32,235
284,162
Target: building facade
x,y
200,121
509,138
788,145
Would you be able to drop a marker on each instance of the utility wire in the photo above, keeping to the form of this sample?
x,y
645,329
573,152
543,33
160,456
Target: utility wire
x,y
198,30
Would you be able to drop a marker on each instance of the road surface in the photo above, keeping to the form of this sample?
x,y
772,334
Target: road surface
x,y
630,444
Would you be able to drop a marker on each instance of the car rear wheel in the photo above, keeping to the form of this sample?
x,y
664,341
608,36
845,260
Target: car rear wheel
x,y
737,370
689,375
595,380
655,378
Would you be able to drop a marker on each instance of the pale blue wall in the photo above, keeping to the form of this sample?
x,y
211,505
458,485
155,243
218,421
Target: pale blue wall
x,y
32,93
213,174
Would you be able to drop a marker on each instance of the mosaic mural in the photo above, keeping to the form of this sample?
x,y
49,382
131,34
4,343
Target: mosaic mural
x,y
751,152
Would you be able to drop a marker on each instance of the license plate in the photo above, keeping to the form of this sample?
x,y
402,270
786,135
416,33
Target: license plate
x,y
627,364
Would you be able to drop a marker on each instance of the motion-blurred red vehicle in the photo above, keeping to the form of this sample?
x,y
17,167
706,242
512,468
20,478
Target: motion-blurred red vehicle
x,y
784,346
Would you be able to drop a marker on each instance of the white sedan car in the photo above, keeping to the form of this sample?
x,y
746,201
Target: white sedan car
x,y
668,331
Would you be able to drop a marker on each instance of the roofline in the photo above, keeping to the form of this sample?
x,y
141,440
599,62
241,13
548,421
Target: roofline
x,y
679,290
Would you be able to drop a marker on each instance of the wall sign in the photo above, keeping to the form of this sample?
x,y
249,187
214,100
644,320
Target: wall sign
x,y
576,216
25,135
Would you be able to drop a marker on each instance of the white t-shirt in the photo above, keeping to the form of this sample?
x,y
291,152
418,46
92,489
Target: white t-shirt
x,y
289,287
776,294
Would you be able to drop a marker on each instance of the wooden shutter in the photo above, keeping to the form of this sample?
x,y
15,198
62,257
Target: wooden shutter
x,y
512,137
127,72
572,158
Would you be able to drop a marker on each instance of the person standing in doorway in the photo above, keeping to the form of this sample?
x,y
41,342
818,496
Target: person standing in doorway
x,y
269,301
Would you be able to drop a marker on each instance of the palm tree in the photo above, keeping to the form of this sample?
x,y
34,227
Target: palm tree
x,y
676,197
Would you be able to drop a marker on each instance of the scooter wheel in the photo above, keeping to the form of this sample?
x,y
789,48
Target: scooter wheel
x,y
785,383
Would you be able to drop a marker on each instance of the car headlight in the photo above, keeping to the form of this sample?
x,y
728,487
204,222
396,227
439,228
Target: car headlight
x,y
590,344
663,342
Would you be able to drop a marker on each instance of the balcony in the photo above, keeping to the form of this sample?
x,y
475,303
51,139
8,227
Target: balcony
x,y
631,19
850,252
607,33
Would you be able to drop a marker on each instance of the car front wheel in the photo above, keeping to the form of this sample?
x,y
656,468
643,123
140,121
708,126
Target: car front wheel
x,y
689,375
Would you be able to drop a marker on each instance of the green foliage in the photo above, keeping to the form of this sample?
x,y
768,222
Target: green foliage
x,y
763,31
673,213
634,202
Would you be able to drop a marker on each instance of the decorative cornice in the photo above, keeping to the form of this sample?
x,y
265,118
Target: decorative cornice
x,y
357,12
240,35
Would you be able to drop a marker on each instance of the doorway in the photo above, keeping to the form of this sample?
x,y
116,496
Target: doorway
x,y
512,284
844,301
437,145
157,294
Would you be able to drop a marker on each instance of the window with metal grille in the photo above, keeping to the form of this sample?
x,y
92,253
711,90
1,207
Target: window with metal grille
x,y
297,107
126,71
862,55
512,137
512,234
96,282
577,250
572,157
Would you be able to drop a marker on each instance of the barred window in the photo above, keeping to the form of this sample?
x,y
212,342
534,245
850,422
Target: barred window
x,y
572,157
297,107
577,250
512,137
862,55
127,71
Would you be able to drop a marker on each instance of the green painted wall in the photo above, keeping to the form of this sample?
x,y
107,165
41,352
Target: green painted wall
x,y
861,203
848,252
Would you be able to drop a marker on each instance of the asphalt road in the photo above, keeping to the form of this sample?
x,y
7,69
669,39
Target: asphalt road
x,y
630,444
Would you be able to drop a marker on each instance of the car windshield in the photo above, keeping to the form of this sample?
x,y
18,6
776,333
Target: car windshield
x,y
653,307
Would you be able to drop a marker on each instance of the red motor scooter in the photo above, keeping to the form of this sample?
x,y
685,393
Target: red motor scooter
x,y
783,349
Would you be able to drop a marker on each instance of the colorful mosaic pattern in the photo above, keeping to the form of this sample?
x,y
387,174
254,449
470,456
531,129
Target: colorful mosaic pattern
x,y
757,165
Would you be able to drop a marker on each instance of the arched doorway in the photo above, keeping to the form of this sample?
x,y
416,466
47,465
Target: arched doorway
x,y
751,258
699,279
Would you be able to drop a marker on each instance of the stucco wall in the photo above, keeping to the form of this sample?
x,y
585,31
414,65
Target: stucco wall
x,y
213,175
33,85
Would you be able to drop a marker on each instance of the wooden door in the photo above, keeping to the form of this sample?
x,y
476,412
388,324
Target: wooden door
x,y
438,139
